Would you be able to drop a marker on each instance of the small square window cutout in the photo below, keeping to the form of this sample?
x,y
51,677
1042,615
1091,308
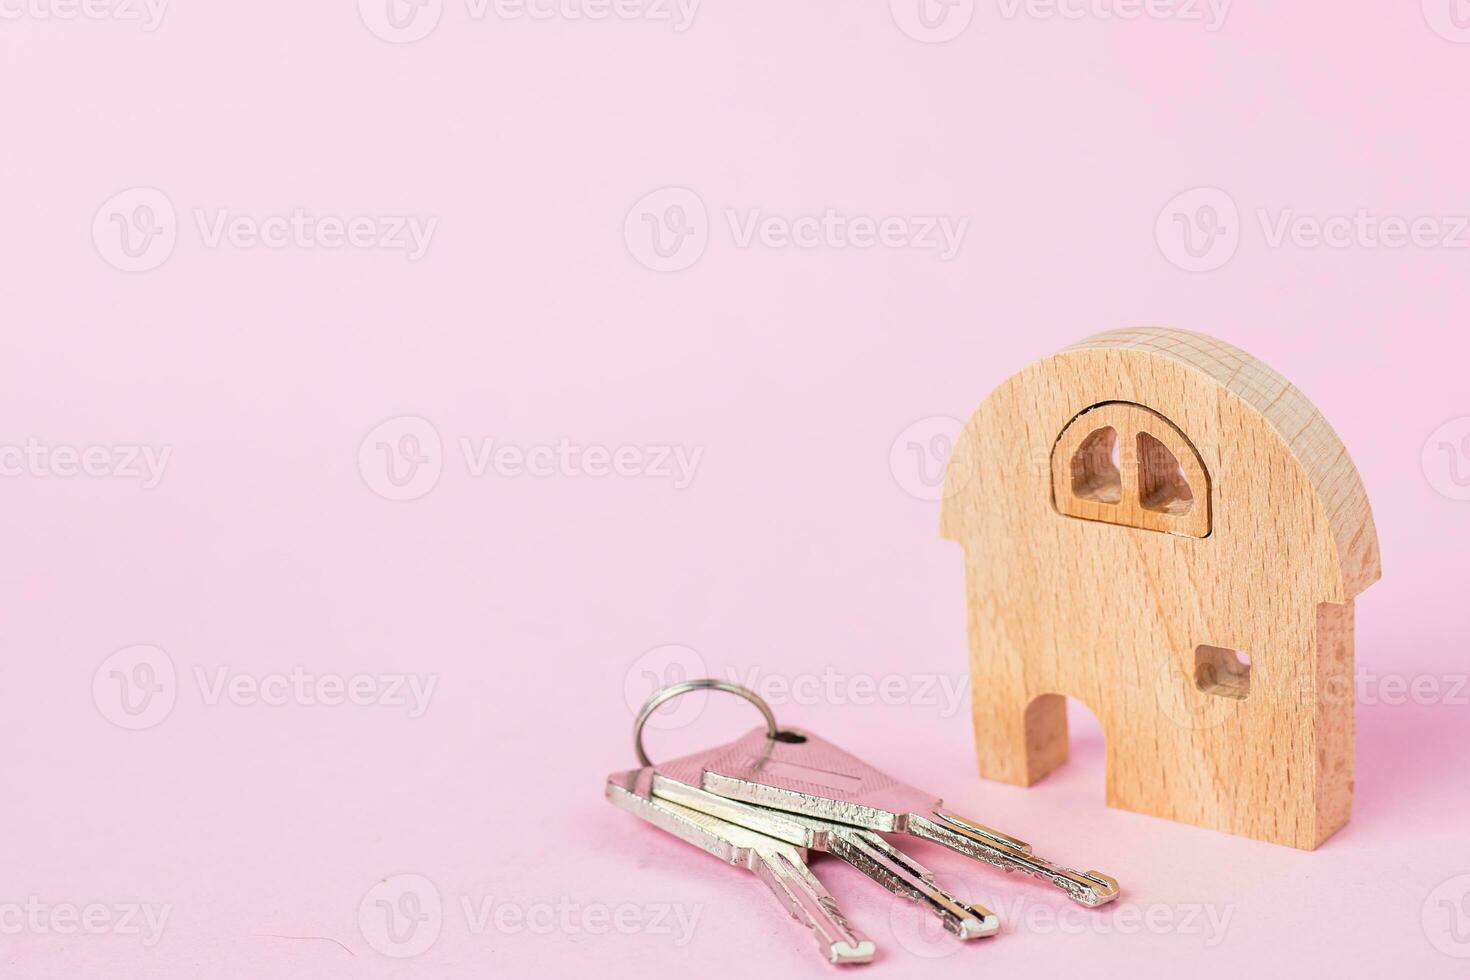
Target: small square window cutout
x,y
1222,672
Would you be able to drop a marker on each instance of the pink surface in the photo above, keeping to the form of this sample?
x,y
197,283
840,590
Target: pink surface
x,y
710,467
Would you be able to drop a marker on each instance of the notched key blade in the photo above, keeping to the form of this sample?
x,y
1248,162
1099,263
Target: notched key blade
x,y
808,775
907,878
1090,888
869,853
779,865
809,902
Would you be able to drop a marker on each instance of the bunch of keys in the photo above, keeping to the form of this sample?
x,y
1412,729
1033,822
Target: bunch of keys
x,y
768,799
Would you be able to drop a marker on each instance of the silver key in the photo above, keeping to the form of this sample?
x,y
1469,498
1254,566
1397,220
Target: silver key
x,y
803,774
863,849
780,865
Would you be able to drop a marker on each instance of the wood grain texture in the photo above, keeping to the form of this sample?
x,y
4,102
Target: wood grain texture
x,y
1117,615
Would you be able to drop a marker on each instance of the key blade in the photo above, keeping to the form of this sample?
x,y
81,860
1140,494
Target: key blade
x,y
809,902
772,823
990,834
909,879
691,826
815,778
1090,888
780,866
864,850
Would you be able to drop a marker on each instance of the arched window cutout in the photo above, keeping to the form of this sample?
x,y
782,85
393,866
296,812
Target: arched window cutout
x,y
1123,463
1162,486
1095,473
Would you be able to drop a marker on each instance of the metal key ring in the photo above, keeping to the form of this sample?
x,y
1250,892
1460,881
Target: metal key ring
x,y
701,684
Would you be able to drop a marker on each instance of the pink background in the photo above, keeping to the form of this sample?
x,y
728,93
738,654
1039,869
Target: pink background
x,y
805,540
